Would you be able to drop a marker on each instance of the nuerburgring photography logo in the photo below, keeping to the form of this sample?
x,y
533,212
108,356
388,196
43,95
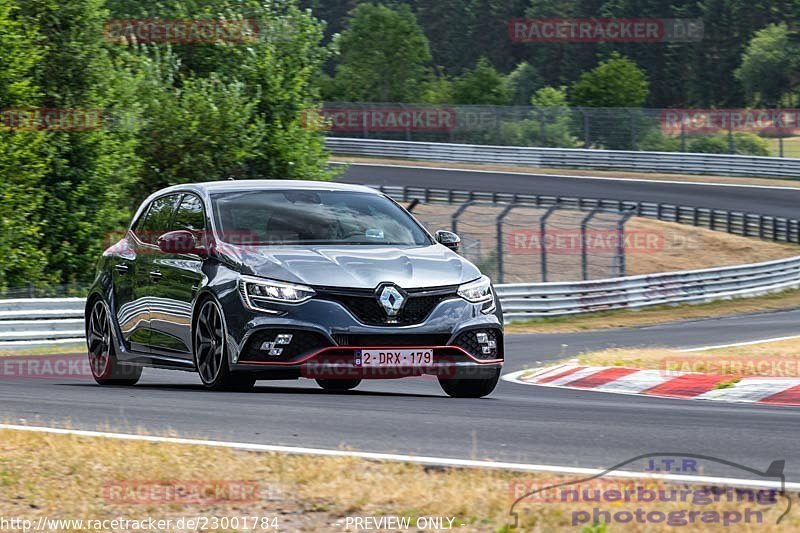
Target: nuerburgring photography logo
x,y
636,492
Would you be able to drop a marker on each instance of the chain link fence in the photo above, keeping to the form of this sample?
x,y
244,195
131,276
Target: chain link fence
x,y
517,243
764,132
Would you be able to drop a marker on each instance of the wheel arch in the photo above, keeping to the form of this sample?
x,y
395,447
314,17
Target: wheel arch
x,y
202,297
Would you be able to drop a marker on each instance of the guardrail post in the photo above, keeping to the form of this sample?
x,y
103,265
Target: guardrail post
x,y
586,131
584,259
683,137
746,224
364,122
408,124
731,147
499,226
621,260
454,217
543,237
542,140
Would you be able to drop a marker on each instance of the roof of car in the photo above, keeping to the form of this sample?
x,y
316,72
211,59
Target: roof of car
x,y
240,185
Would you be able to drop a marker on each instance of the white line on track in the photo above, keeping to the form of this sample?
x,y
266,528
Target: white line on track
x,y
571,176
435,461
735,344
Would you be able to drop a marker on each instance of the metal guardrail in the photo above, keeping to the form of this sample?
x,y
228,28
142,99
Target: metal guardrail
x,y
736,222
532,300
43,322
670,162
40,322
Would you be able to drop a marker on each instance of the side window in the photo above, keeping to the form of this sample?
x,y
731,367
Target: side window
x,y
190,215
156,222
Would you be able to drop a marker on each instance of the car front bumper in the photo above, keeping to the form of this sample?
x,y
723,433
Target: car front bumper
x,y
326,337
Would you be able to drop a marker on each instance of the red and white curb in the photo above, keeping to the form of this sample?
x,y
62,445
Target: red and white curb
x,y
664,383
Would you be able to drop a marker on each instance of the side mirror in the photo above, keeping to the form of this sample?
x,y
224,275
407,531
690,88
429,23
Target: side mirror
x,y
449,239
179,242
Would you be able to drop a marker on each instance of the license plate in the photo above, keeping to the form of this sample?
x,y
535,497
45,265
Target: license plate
x,y
373,358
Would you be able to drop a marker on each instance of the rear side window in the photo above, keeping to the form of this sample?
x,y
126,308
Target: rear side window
x,y
190,215
156,222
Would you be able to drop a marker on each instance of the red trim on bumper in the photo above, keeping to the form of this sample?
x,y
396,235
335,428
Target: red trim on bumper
x,y
325,351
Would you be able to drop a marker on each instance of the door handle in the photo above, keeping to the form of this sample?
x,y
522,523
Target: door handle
x,y
122,268
155,274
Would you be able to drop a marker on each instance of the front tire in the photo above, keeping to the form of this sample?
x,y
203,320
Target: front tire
x,y
470,388
339,385
106,368
211,354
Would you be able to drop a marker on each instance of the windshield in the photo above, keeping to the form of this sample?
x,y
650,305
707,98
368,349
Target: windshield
x,y
277,217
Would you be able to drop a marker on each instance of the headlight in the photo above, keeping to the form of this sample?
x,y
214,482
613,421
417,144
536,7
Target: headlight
x,y
257,291
477,291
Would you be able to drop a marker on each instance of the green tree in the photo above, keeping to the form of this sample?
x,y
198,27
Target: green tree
x,y
767,65
481,85
549,124
86,177
385,56
23,155
523,82
194,128
439,90
615,82
272,80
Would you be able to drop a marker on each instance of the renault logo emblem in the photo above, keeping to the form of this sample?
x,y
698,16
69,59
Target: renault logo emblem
x,y
391,299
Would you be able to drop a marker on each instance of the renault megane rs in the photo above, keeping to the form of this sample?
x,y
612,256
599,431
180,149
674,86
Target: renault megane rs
x,y
254,280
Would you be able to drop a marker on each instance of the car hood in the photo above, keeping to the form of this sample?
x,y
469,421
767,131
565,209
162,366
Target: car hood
x,y
354,266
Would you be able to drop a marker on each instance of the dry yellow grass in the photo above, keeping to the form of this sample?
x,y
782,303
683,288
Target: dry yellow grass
x,y
688,248
571,172
67,477
768,359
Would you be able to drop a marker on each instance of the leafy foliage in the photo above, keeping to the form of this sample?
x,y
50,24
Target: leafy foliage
x,y
384,56
615,82
768,64
482,85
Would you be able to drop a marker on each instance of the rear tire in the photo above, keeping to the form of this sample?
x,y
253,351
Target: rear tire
x,y
211,354
106,368
470,388
338,384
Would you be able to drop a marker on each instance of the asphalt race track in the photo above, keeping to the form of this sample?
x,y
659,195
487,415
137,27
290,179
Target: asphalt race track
x,y
777,201
517,423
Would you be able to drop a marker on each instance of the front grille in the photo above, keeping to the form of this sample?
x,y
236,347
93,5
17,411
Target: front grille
x,y
426,340
468,341
364,305
303,343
